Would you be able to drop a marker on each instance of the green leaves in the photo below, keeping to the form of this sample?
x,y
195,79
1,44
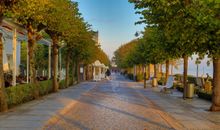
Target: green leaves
x,y
124,55
31,11
188,27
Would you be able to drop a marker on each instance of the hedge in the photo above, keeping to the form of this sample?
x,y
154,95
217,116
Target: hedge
x,y
25,92
62,84
161,81
45,87
205,95
20,94
191,79
179,87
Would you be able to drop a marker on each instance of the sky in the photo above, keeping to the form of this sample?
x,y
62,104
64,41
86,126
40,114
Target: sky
x,y
114,19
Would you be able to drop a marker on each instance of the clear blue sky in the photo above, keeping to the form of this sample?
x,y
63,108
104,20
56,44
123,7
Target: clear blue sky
x,y
114,19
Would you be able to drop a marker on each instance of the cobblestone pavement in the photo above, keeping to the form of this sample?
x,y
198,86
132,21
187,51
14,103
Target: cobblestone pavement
x,y
117,104
113,105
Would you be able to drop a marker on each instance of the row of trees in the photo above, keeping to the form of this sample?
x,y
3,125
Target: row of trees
x,y
59,20
177,29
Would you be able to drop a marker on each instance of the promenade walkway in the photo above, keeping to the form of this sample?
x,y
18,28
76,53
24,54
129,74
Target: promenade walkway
x,y
118,104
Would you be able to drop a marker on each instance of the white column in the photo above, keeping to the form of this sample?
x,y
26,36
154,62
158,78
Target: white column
x,y
49,61
27,63
43,72
14,57
94,77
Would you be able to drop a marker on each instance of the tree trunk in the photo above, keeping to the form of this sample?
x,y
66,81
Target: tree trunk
x,y
155,71
149,69
3,97
216,85
55,63
93,69
144,69
167,69
140,69
161,68
73,72
84,73
31,48
78,72
87,72
135,73
171,69
154,81
185,73
158,70
67,68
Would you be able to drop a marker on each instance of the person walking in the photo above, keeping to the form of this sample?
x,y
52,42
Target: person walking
x,y
107,74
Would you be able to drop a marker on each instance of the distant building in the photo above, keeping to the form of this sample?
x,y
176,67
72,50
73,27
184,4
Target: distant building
x,y
96,37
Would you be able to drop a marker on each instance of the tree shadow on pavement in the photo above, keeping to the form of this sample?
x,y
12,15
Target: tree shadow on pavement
x,y
125,113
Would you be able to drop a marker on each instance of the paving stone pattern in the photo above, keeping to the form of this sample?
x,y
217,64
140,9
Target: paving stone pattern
x,y
116,104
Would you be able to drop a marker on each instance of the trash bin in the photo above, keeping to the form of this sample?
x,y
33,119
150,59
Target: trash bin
x,y
154,82
190,91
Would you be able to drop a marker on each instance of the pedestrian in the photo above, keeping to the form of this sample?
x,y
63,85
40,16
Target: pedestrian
x,y
107,74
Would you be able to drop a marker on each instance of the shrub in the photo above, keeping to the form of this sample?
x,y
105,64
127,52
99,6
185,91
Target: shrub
x,y
140,77
20,94
23,93
161,81
205,95
191,79
45,87
62,84
179,87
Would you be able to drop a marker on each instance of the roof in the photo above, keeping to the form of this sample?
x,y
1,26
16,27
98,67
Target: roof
x,y
7,27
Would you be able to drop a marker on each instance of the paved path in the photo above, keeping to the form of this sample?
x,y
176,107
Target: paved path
x,y
110,105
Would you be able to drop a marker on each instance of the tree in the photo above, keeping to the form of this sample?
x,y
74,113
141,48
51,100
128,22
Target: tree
x,y
137,56
122,54
102,56
30,13
71,37
153,50
207,18
5,6
41,57
57,22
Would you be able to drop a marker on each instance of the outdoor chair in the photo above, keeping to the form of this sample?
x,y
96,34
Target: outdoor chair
x,y
168,86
